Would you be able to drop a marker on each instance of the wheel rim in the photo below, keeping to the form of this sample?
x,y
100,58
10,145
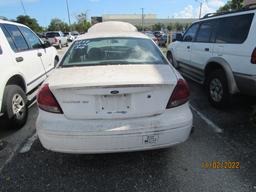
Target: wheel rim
x,y
18,106
216,90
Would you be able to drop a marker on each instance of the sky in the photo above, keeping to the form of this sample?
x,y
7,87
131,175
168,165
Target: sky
x,y
45,10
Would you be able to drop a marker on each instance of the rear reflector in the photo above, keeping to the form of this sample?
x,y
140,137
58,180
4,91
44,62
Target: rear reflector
x,y
46,100
253,58
180,94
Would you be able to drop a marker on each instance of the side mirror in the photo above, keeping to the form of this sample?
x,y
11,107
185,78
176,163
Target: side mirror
x,y
179,37
46,44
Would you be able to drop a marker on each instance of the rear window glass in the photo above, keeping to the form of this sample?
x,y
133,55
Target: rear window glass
x,y
50,35
234,29
9,39
17,37
111,51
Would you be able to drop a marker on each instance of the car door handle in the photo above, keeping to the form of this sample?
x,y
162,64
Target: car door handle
x,y
39,54
206,49
19,59
188,47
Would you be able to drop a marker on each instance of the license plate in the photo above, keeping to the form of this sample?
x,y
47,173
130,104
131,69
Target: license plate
x,y
113,104
150,139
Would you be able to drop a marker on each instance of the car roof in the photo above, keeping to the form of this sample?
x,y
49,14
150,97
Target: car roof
x,y
114,34
112,26
218,16
11,22
112,29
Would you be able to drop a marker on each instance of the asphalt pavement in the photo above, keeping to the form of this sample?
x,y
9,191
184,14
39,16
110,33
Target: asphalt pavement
x,y
219,136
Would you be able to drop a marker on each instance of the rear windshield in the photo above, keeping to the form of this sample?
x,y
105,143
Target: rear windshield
x,y
52,35
113,51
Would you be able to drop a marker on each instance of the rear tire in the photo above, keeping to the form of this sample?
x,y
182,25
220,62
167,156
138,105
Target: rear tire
x,y
217,89
15,106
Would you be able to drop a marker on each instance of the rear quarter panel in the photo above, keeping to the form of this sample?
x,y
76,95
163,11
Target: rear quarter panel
x,y
238,56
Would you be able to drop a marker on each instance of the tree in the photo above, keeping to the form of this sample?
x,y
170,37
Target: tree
x,y
58,25
231,5
139,27
170,27
30,22
81,24
157,26
187,25
179,27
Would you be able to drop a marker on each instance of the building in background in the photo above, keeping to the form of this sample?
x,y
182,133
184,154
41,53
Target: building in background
x,y
136,19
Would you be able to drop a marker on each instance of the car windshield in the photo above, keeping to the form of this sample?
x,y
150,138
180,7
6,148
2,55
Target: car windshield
x,y
113,51
52,35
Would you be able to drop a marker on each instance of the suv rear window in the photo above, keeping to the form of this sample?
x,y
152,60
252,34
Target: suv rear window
x,y
113,51
17,37
9,39
234,29
50,35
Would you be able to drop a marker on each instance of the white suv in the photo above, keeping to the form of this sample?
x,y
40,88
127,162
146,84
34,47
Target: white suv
x,y
25,62
220,52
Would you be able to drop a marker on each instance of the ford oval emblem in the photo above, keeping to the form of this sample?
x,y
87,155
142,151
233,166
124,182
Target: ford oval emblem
x,y
114,92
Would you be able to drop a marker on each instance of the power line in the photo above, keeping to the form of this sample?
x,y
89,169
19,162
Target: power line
x,y
23,7
201,6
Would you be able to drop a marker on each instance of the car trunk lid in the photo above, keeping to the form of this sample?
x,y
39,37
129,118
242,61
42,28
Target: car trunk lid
x,y
116,91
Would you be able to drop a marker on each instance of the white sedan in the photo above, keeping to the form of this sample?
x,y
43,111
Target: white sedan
x,y
113,92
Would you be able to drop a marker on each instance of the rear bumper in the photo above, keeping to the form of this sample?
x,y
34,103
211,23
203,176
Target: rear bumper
x,y
59,134
246,83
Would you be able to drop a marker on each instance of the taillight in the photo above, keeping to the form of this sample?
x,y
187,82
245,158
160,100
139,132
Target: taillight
x,y
253,58
55,40
180,94
46,100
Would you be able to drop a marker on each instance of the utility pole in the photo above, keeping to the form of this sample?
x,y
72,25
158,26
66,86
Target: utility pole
x,y
68,13
23,7
200,11
201,6
142,18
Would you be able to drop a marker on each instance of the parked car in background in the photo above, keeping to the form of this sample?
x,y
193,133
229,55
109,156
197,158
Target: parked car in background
x,y
151,36
75,34
56,38
69,36
26,61
158,34
41,36
177,36
163,40
113,91
220,52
